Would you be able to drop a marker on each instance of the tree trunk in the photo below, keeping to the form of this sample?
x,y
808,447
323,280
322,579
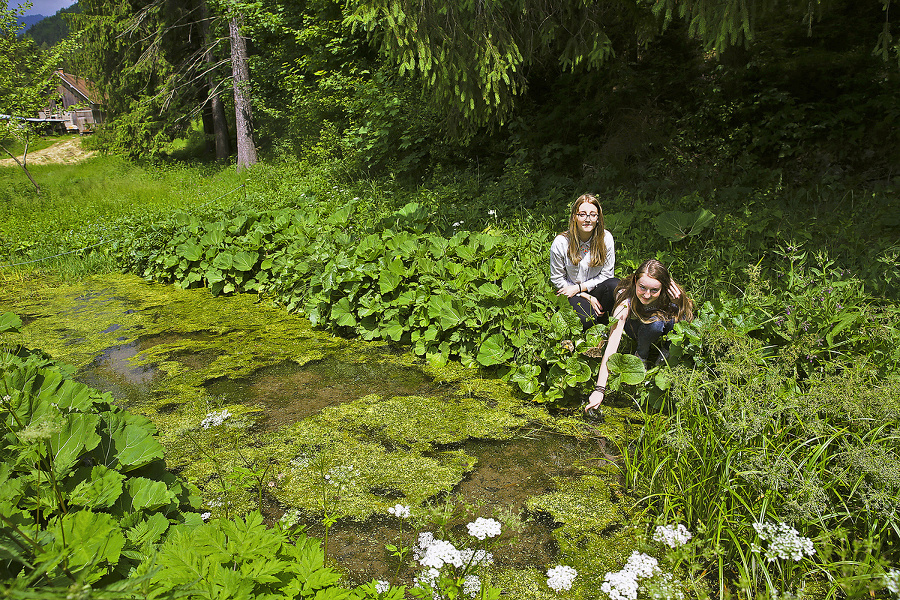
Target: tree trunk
x,y
220,124
243,111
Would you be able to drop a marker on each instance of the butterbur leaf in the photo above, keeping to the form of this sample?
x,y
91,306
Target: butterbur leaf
x,y
441,308
526,377
147,494
90,541
10,322
494,351
190,251
342,313
223,261
674,225
628,367
77,435
101,491
129,441
245,261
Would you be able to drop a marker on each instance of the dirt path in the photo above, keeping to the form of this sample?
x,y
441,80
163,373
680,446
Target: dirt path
x,y
66,151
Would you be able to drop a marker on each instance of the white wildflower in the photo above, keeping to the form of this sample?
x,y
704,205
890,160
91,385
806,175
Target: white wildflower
x,y
439,553
492,213
641,565
399,511
471,585
205,516
561,577
382,586
484,528
892,581
672,535
621,585
458,223
425,540
428,577
214,419
6,398
784,541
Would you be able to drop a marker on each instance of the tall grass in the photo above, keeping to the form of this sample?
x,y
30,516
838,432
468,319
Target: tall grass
x,y
744,444
84,205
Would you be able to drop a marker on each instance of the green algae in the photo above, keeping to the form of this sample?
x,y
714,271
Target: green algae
x,y
377,449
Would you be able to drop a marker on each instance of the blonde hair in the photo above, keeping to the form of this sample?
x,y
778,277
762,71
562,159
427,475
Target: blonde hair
x,y
597,248
666,308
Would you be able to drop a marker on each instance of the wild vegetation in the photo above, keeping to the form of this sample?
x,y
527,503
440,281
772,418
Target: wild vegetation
x,y
752,151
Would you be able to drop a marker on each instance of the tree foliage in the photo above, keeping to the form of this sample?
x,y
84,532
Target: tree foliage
x,y
475,56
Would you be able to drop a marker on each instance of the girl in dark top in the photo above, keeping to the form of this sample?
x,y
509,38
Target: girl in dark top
x,y
648,304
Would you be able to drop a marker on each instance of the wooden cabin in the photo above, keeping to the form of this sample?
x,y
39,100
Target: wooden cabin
x,y
77,107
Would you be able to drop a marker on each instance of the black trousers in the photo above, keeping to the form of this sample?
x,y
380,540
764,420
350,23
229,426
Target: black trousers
x,y
605,293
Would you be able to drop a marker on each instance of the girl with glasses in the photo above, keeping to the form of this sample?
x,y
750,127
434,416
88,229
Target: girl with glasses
x,y
582,260
648,304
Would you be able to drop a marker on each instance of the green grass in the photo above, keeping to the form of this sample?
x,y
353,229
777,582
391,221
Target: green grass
x,y
17,146
85,204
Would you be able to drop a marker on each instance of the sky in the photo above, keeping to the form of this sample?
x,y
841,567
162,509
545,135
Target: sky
x,y
48,8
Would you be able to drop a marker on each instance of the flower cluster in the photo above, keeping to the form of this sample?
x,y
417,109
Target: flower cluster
x,y
435,554
483,528
399,511
561,577
672,535
623,585
214,419
382,586
892,581
784,541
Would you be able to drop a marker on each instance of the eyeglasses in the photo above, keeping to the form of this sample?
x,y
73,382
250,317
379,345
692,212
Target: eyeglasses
x,y
591,216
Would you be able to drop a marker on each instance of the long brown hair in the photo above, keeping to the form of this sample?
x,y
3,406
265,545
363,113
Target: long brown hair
x,y
665,307
597,249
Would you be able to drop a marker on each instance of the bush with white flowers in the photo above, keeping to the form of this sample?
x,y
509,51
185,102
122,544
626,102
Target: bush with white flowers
x,y
560,577
783,542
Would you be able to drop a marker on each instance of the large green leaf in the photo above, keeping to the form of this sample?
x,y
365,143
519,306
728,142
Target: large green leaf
x,y
90,542
675,225
440,307
342,313
189,250
494,351
223,261
147,494
131,440
100,491
526,377
77,435
245,261
628,367
10,322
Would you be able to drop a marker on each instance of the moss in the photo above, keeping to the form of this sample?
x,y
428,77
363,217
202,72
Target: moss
x,y
421,422
364,478
378,448
596,535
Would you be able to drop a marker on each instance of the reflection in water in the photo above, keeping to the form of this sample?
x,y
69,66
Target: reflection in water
x,y
506,475
289,392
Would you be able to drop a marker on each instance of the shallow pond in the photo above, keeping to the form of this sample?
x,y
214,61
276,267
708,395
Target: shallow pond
x,y
304,405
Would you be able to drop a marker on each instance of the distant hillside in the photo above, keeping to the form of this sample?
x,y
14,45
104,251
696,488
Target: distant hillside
x,y
51,30
28,21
